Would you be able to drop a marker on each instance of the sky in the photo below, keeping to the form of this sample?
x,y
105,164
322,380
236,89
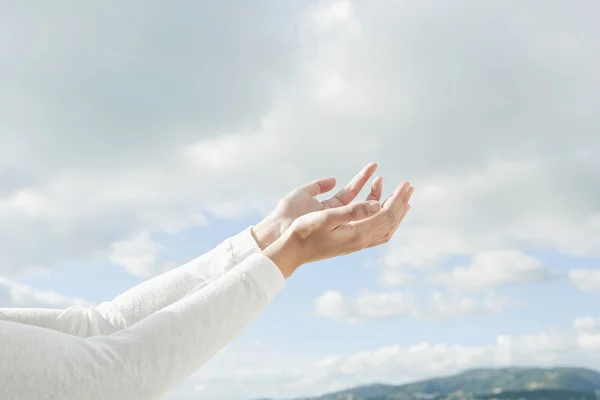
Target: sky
x,y
135,136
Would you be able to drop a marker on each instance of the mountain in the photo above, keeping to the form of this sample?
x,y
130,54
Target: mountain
x,y
488,384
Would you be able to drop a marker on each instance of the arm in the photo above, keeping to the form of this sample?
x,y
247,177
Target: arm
x,y
143,361
157,293
151,357
144,299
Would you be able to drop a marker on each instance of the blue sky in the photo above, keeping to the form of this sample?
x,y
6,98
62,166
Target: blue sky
x,y
135,137
292,327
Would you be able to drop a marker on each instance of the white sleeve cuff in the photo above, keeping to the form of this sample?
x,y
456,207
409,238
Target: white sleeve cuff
x,y
265,274
243,245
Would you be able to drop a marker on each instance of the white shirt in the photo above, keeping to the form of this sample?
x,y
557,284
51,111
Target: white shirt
x,y
144,342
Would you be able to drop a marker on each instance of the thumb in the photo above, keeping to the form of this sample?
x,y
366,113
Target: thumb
x,y
352,212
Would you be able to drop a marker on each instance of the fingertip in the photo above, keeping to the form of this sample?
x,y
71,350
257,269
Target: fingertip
x,y
327,184
371,167
379,187
376,185
404,187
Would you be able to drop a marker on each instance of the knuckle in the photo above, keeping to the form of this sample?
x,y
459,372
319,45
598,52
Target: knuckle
x,y
353,211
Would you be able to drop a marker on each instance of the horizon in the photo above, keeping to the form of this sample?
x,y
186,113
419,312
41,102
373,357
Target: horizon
x,y
137,136
466,371
456,375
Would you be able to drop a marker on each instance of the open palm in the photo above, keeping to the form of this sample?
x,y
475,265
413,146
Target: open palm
x,y
302,201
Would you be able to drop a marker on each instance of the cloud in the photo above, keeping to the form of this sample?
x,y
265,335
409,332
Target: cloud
x,y
587,325
588,333
396,277
96,122
587,280
14,294
489,269
139,256
333,304
504,204
589,341
456,305
395,304
279,374
184,109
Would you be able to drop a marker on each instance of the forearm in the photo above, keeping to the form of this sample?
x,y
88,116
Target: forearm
x,y
146,360
144,299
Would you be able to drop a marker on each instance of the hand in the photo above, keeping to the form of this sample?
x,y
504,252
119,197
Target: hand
x,y
301,201
338,231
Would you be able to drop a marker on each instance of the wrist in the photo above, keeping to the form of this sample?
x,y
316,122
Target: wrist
x,y
286,253
267,231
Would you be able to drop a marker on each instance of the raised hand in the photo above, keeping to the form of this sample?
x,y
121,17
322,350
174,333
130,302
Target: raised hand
x,y
338,231
302,201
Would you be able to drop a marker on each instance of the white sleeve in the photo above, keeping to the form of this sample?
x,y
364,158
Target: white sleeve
x,y
144,299
144,361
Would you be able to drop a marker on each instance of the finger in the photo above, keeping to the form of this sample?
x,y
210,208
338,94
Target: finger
x,y
398,200
401,195
351,190
395,217
335,217
388,214
319,186
376,189
387,236
387,202
401,219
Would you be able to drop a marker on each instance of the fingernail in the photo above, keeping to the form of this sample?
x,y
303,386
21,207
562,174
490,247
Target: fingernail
x,y
373,207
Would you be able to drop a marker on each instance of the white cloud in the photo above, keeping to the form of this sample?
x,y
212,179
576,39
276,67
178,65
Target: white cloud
x,y
589,341
14,294
386,305
456,305
147,130
588,333
587,280
587,325
495,268
396,277
333,304
280,374
94,143
178,110
139,256
505,204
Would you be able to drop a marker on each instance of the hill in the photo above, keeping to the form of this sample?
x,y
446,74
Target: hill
x,y
488,384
